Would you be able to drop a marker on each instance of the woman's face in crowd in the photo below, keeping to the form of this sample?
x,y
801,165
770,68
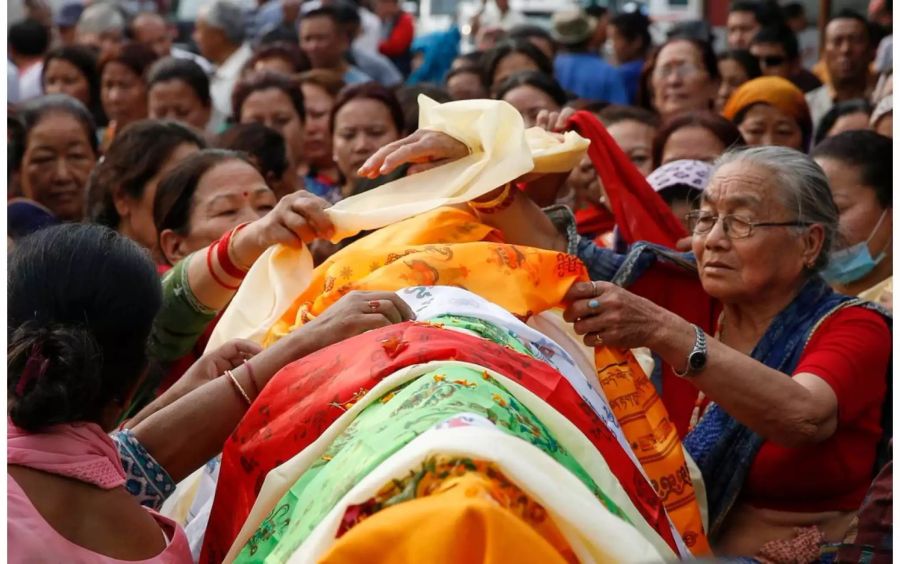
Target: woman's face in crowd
x,y
530,101
733,75
738,270
229,194
511,64
636,140
62,77
137,214
175,100
466,86
767,125
55,167
849,122
857,203
361,127
273,108
692,142
123,94
679,80
317,141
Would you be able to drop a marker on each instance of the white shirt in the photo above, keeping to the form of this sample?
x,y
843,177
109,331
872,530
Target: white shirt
x,y
30,82
223,79
370,34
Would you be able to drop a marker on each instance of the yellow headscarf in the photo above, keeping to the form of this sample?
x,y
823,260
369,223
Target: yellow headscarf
x,y
775,91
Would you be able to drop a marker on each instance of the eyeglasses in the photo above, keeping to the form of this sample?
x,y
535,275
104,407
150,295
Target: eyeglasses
x,y
683,70
736,227
771,61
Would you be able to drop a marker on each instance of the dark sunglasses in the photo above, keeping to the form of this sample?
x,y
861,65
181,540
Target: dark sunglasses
x,y
772,61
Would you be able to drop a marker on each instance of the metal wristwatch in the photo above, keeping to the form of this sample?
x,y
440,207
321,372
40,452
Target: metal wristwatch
x,y
696,360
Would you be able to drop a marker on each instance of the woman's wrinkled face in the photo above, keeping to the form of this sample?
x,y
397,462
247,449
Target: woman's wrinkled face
x,y
680,82
767,125
361,127
511,64
692,142
123,94
62,77
55,167
530,101
175,100
273,108
858,206
317,141
229,194
137,214
636,141
741,270
733,75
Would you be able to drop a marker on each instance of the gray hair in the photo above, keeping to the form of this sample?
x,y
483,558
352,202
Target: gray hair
x,y
802,186
99,18
227,16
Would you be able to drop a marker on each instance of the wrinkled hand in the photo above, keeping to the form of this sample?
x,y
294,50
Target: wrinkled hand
x,y
297,219
609,315
425,149
213,364
356,313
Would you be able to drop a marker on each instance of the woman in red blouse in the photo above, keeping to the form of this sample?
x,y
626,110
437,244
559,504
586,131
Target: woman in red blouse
x,y
397,30
782,382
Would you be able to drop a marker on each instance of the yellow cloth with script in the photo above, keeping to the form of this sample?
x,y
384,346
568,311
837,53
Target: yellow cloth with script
x,y
645,423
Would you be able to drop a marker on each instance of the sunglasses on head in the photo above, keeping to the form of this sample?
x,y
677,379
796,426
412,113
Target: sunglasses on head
x,y
771,61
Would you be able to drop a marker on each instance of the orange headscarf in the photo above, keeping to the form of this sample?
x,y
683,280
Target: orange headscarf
x,y
775,91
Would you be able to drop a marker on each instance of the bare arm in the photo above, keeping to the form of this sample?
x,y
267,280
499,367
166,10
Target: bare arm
x,y
790,411
185,434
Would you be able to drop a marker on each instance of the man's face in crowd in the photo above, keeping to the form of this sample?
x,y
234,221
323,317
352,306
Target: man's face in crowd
x,y
772,59
106,42
847,50
152,31
323,42
742,26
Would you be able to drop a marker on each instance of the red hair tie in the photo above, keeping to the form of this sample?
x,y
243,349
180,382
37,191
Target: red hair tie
x,y
35,367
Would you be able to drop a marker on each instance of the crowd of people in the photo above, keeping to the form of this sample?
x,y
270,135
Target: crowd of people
x,y
205,242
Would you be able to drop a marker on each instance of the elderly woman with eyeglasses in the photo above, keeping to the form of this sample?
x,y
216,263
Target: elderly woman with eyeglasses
x,y
776,383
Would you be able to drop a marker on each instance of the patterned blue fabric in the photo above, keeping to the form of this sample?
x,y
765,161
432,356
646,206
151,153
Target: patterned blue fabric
x,y
145,479
723,448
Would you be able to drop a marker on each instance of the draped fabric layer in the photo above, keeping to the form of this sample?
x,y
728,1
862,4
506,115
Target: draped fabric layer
x,y
640,213
387,424
305,397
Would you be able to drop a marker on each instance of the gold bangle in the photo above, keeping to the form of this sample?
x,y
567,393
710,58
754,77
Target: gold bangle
x,y
238,387
492,203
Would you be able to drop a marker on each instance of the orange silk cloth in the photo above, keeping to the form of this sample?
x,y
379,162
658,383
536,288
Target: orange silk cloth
x,y
654,440
450,247
447,247
469,519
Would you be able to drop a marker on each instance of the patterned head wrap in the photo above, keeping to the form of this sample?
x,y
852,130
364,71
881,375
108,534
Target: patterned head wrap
x,y
685,172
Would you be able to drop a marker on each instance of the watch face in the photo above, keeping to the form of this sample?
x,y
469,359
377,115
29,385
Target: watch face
x,y
697,361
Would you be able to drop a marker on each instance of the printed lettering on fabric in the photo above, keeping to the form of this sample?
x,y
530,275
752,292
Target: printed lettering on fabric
x,y
305,397
654,440
383,428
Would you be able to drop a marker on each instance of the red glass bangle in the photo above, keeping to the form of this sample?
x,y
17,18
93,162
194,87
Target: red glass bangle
x,y
212,270
222,246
